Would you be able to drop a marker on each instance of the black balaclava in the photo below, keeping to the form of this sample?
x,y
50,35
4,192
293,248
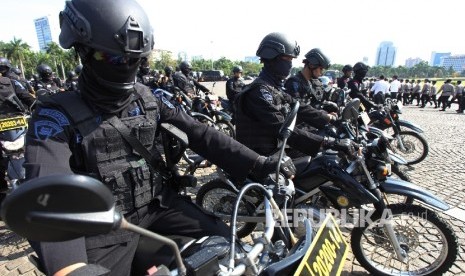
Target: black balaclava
x,y
360,74
276,70
108,87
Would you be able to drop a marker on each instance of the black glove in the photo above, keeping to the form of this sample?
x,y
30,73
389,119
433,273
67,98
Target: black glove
x,y
345,145
267,165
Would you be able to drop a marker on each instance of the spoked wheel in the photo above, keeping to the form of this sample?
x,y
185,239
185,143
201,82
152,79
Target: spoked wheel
x,y
429,242
219,198
414,147
226,127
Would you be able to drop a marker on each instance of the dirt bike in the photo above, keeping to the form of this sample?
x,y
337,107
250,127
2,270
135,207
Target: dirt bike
x,y
41,211
410,144
391,240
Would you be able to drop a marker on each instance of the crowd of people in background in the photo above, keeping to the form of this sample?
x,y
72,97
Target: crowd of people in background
x,y
410,91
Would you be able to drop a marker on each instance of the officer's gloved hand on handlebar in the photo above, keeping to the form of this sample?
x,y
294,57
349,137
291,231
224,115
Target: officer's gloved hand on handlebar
x,y
345,145
267,165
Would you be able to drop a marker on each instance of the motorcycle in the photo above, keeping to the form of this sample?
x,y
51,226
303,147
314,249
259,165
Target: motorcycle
x,y
12,138
410,144
391,238
210,106
40,210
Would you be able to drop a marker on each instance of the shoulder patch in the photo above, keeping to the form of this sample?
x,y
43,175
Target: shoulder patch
x,y
59,117
166,102
46,129
266,94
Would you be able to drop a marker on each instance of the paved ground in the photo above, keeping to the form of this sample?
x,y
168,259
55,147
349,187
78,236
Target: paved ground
x,y
443,173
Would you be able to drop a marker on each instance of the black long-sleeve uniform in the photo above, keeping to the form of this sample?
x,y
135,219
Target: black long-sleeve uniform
x,y
260,115
49,150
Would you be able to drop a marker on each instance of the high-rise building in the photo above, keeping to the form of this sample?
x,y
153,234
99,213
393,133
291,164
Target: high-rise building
x,y
43,31
410,62
456,62
436,58
386,54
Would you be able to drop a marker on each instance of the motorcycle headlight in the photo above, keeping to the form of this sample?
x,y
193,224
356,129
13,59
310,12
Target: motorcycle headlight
x,y
15,145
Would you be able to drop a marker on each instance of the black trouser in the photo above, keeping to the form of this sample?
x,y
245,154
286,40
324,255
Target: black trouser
x,y
394,95
415,96
433,98
461,103
443,100
424,99
183,218
406,98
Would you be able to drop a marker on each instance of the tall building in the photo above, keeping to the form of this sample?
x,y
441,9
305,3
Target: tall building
x,y
436,58
386,54
43,31
456,62
410,62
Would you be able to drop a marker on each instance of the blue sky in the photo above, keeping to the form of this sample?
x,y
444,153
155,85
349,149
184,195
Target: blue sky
x,y
345,30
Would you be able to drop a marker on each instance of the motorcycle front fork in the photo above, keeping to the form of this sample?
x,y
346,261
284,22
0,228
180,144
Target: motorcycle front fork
x,y
381,207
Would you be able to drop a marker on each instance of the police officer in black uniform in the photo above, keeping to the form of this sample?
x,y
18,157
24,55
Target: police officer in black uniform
x,y
146,76
305,85
13,99
262,105
83,132
360,70
166,82
71,81
235,84
184,81
342,81
16,74
47,84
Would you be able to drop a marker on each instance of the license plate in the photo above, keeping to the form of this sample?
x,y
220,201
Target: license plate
x,y
12,123
327,253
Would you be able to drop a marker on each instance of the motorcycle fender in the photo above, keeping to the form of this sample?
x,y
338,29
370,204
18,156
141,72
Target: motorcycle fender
x,y
397,186
223,115
197,114
412,126
397,159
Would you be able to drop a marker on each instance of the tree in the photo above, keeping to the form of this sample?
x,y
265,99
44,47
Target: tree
x,y
15,51
57,55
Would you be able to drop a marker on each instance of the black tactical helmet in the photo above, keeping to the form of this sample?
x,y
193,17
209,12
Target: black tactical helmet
x,y
275,44
17,71
44,71
168,70
360,67
118,27
316,58
185,66
5,62
71,74
5,65
78,69
347,68
237,69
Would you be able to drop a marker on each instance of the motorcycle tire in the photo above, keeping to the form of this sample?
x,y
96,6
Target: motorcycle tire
x,y
226,127
225,204
411,147
409,236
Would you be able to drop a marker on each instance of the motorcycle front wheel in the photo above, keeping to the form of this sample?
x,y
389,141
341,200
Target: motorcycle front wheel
x,y
430,243
226,127
414,147
219,198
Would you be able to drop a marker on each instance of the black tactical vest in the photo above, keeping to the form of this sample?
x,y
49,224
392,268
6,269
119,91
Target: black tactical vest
x,y
250,131
104,154
7,93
